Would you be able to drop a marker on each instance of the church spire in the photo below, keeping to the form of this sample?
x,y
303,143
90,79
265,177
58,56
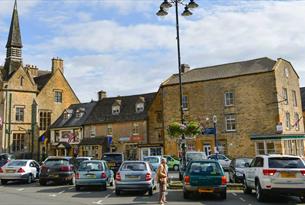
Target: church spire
x,y
14,45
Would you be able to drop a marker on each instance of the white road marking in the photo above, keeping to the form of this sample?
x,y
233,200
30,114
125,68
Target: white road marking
x,y
101,201
71,188
98,202
52,195
242,199
234,194
22,189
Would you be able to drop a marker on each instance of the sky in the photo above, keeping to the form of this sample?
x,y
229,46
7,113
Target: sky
x,y
123,48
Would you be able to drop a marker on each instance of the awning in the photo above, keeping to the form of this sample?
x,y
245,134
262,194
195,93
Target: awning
x,y
150,145
278,137
94,141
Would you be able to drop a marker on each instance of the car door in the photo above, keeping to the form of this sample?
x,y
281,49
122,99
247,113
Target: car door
x,y
232,169
33,169
256,164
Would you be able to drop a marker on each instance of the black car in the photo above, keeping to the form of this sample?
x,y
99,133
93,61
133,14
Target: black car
x,y
114,160
58,170
236,169
5,158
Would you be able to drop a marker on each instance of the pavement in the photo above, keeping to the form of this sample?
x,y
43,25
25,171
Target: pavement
x,y
34,194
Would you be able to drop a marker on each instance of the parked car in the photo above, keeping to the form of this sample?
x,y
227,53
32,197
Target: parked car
x,y
204,176
172,163
189,156
114,160
5,158
135,176
223,160
275,174
155,161
19,170
236,169
58,170
93,173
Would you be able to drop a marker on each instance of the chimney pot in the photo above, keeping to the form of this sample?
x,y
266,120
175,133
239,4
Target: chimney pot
x,y
185,68
101,95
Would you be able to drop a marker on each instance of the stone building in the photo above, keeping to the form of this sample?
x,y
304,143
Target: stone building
x,y
30,99
257,104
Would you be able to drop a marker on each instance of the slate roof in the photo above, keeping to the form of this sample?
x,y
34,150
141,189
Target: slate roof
x,y
102,113
303,97
224,71
42,80
73,121
14,37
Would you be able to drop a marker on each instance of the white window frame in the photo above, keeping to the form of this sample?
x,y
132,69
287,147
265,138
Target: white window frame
x,y
229,98
231,118
19,116
58,96
115,110
139,107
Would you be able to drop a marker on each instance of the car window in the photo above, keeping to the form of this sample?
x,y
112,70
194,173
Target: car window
x,y
259,162
240,163
253,162
285,162
56,162
134,166
204,168
105,165
91,166
221,157
152,159
113,157
195,156
16,163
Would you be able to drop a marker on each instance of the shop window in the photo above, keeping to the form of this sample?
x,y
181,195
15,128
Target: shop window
x,y
131,151
18,142
155,151
260,148
270,148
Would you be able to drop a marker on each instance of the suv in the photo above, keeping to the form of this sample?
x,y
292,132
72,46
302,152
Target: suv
x,y
114,160
5,158
189,156
279,174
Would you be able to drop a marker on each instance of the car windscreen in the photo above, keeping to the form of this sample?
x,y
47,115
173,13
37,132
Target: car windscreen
x,y
56,162
205,168
3,157
134,166
194,156
16,164
113,157
91,166
286,162
241,163
152,159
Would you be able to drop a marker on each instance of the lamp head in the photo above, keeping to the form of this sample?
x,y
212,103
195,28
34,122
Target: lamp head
x,y
186,12
161,12
166,4
192,4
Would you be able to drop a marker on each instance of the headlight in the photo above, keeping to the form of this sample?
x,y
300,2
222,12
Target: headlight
x,y
239,174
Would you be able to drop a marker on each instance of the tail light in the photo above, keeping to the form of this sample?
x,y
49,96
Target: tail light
x,y
269,172
77,175
65,168
223,180
103,175
148,176
1,170
302,172
118,176
20,170
187,180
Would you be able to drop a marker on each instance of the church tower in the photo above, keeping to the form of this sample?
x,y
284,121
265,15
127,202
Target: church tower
x,y
13,46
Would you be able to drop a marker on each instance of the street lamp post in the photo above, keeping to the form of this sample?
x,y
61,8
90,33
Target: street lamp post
x,y
215,136
163,12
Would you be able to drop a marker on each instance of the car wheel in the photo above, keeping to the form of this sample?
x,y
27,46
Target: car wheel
x,y
302,199
117,192
29,179
259,192
77,188
176,167
246,189
42,182
223,195
3,182
150,191
186,195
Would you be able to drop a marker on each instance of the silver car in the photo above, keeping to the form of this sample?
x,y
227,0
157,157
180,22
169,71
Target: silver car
x,y
135,176
19,170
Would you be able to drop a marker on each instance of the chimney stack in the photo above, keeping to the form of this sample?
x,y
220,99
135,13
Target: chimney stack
x,y
185,68
57,64
101,95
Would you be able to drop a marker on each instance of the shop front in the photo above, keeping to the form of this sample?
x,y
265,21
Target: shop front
x,y
129,146
93,147
150,150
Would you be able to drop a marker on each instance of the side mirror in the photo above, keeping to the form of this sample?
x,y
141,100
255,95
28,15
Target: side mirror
x,y
247,164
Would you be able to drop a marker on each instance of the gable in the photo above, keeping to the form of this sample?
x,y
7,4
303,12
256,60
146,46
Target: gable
x,y
27,83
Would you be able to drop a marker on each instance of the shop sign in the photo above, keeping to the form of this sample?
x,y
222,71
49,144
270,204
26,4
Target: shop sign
x,y
136,138
69,137
124,139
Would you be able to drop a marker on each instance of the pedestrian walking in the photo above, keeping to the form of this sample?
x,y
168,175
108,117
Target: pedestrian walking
x,y
162,180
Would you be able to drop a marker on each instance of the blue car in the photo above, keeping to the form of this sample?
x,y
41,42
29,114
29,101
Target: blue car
x,y
155,161
94,173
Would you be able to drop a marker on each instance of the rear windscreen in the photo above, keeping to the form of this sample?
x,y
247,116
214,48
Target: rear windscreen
x,y
195,156
285,162
205,168
113,157
134,166
91,166
152,159
56,162
16,164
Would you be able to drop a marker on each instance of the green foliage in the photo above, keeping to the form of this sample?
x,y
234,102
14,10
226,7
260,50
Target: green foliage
x,y
190,129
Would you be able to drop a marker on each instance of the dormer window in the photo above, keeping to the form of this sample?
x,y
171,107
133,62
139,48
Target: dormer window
x,y
139,107
79,112
115,110
67,114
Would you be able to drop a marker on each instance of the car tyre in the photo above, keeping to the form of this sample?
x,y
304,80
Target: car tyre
x,y
77,187
150,191
42,182
246,189
176,167
3,182
186,194
259,192
302,199
223,195
117,192
29,179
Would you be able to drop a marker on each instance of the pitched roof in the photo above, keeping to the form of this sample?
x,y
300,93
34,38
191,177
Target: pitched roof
x,y
74,121
224,71
42,80
102,113
14,37
303,97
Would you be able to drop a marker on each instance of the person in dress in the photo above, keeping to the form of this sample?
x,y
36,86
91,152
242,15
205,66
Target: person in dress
x,y
162,180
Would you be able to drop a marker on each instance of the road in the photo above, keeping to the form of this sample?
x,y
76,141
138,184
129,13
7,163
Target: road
x,y
34,194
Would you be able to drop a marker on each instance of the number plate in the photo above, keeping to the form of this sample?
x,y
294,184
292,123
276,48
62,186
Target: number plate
x,y
91,176
10,171
132,177
111,164
205,190
288,174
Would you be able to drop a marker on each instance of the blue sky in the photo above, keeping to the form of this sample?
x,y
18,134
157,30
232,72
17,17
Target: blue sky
x,y
122,47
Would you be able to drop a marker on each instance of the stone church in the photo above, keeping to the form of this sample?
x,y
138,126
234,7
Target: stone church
x,y
31,99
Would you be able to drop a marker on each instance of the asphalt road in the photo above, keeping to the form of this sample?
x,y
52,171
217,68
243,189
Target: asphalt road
x,y
34,194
